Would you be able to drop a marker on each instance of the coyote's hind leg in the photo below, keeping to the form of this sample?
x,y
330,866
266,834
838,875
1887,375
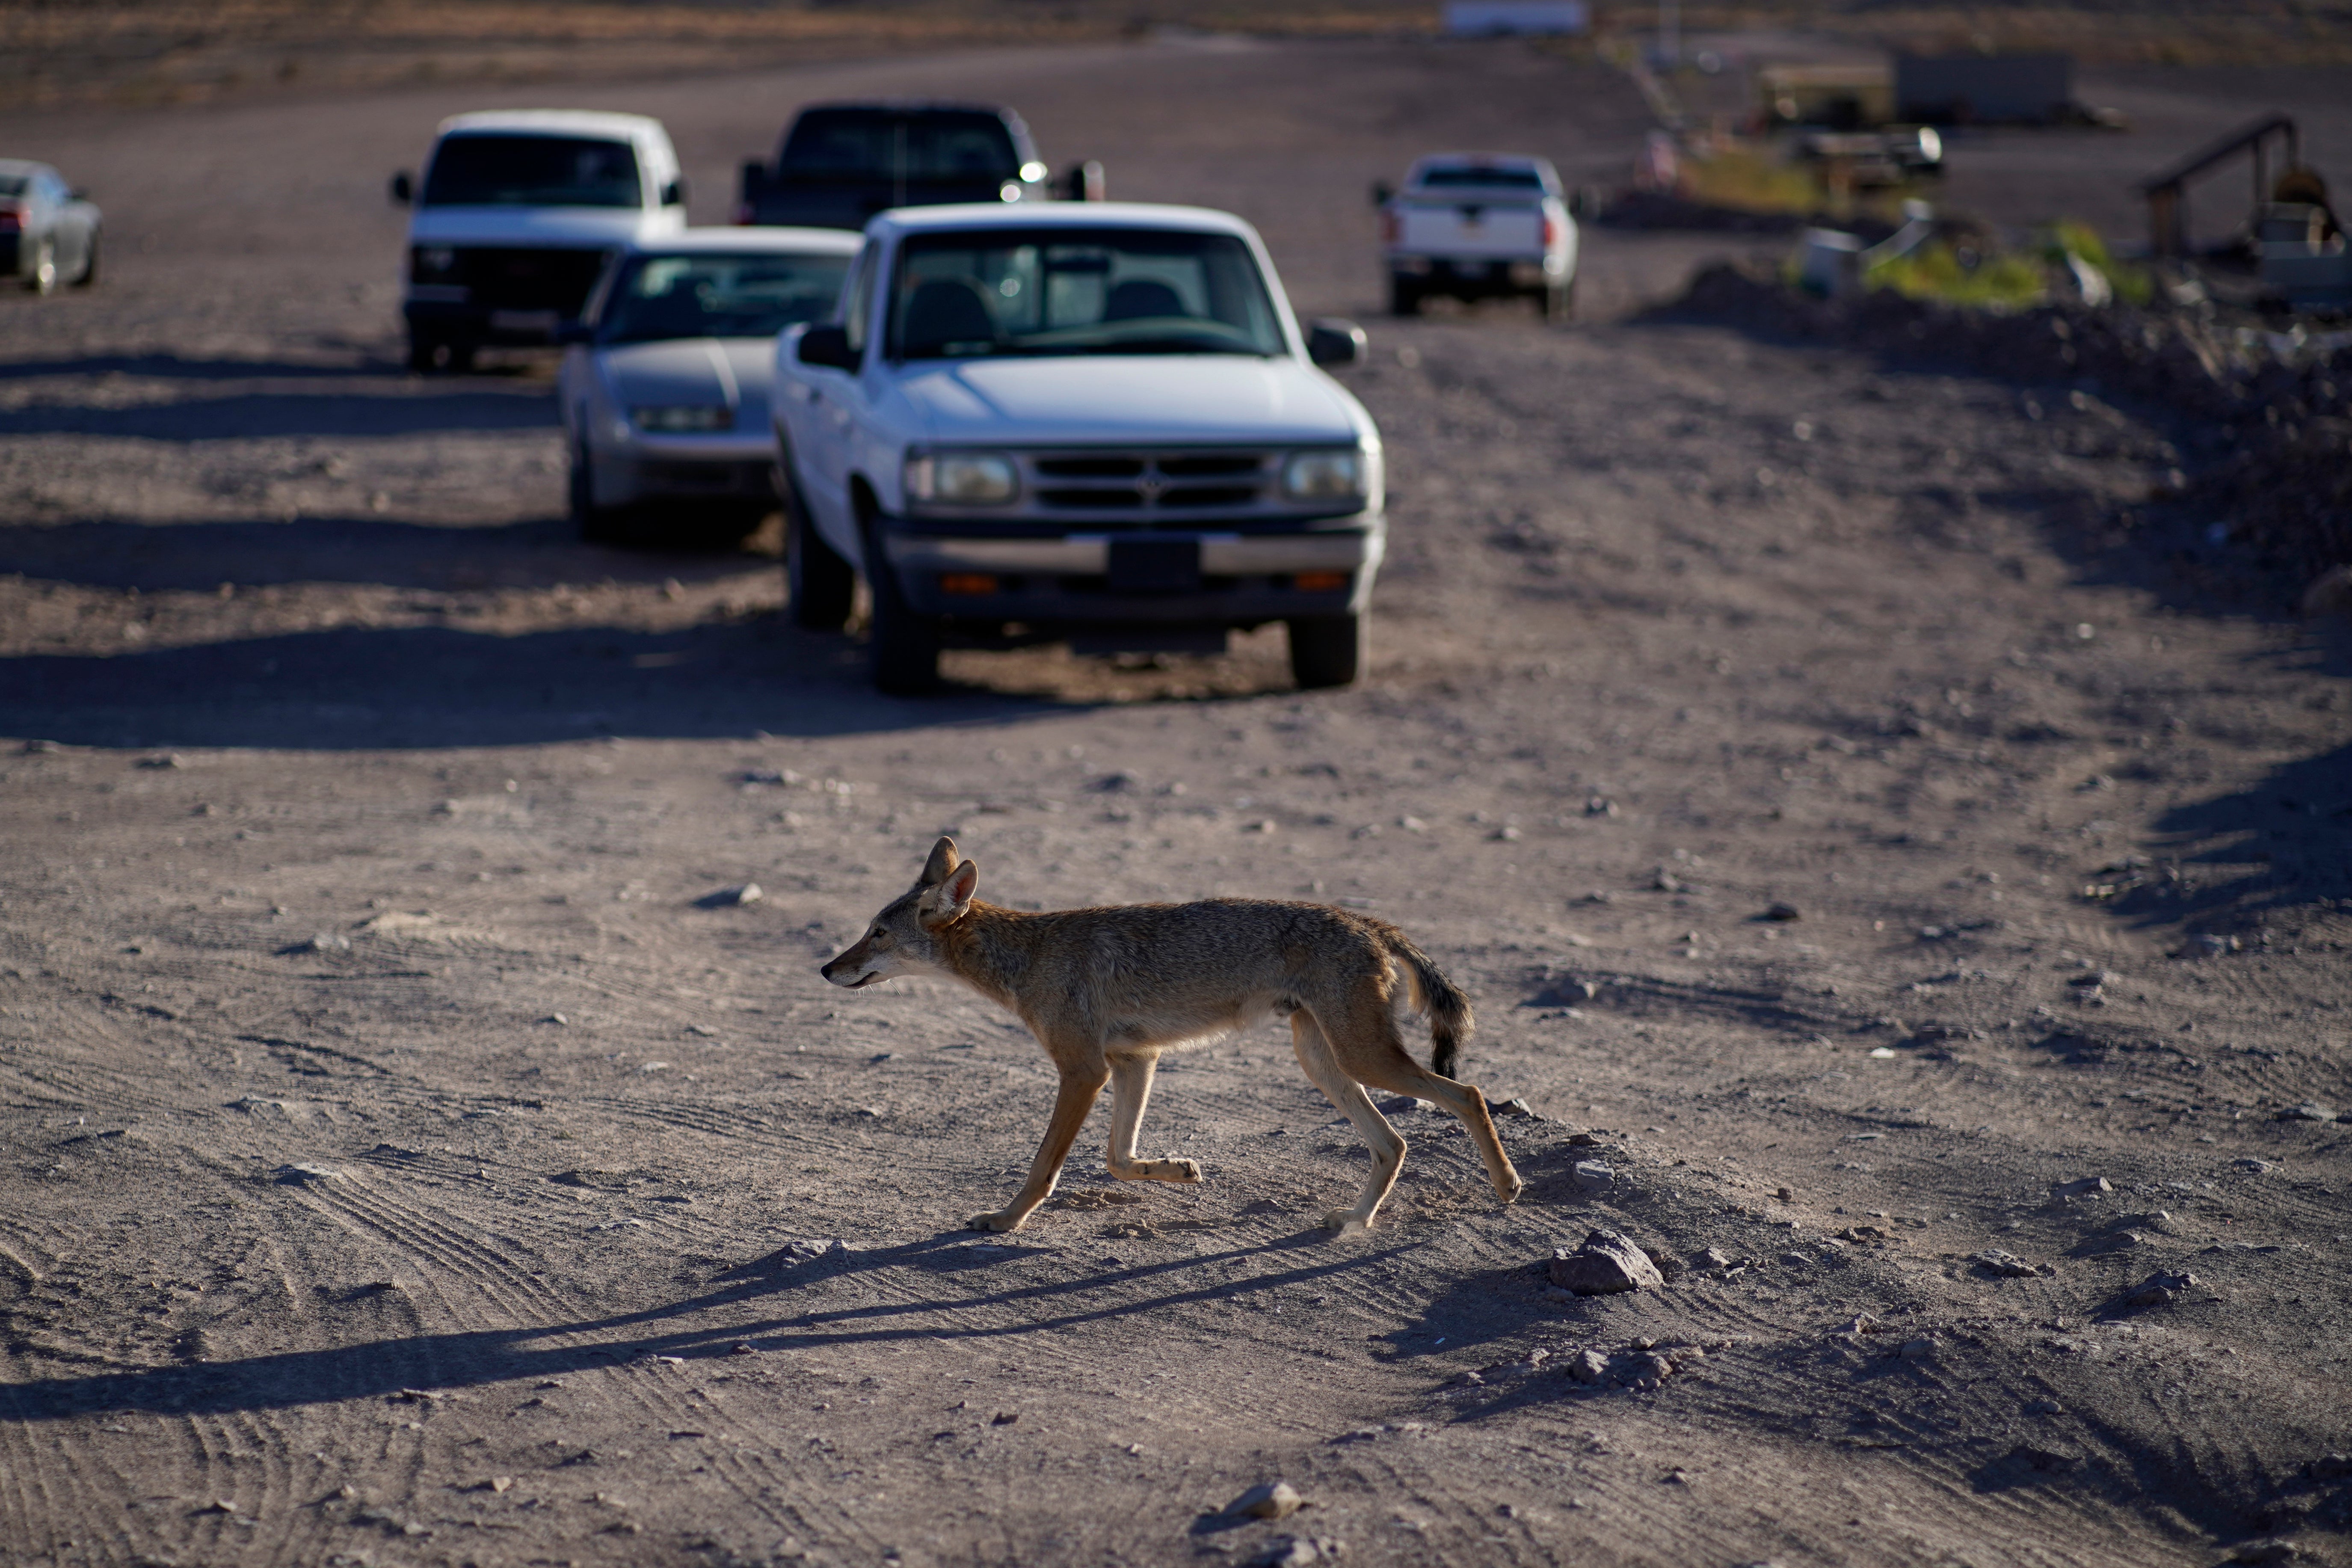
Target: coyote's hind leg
x,y
1130,1092
1366,1045
1387,1148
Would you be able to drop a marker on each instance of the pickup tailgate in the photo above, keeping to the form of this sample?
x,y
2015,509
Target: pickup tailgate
x,y
1468,229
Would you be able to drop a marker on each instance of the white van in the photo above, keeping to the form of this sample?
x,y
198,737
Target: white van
x,y
517,214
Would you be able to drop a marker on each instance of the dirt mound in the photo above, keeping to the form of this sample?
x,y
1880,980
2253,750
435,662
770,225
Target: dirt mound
x,y
2261,414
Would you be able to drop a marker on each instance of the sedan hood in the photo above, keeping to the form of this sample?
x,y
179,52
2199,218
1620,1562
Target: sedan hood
x,y
695,372
1209,399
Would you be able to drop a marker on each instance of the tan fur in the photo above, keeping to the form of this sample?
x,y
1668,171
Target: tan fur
x,y
1105,990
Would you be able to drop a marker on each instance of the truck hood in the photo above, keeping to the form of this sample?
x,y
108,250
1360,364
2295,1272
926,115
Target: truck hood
x,y
696,373
587,228
1209,399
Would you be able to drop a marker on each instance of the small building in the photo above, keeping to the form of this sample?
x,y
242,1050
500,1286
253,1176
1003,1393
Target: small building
x,y
1836,96
1984,89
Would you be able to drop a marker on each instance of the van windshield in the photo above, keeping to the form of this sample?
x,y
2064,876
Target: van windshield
x,y
863,145
705,296
532,172
1079,291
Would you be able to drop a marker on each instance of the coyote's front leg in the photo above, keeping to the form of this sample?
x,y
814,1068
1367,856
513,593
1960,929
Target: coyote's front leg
x,y
1070,1107
1130,1092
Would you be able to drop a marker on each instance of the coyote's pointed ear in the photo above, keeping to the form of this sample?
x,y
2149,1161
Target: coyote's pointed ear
x,y
950,900
942,863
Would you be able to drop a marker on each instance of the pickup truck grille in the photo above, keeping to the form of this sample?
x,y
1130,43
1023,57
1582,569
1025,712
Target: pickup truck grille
x,y
1148,482
515,278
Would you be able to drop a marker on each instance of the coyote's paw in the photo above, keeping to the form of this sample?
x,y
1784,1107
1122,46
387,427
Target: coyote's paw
x,y
1346,1221
1174,1170
1509,1191
999,1219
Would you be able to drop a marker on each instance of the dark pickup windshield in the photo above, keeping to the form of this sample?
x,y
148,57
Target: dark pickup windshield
x,y
1458,176
865,145
659,297
1079,291
532,172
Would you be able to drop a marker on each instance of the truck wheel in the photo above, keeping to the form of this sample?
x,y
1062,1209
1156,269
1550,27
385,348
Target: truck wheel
x,y
819,582
597,524
905,645
89,265
1330,650
1558,301
1404,298
428,353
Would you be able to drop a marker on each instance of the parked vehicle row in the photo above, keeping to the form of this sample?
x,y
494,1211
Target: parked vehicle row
x,y
1014,418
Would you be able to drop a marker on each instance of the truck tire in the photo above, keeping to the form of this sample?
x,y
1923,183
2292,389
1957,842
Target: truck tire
x,y
819,582
88,264
1404,297
904,646
428,353
597,524
1330,650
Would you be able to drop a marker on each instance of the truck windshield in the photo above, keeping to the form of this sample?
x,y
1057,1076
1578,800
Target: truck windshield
x,y
532,172
1487,178
659,297
1079,291
866,145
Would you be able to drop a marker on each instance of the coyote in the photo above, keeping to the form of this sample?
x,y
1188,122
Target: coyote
x,y
1106,990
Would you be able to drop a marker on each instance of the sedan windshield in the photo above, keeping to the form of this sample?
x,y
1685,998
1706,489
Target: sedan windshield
x,y
705,296
531,171
1079,291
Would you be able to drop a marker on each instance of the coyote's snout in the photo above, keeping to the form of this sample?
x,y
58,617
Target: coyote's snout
x,y
1106,990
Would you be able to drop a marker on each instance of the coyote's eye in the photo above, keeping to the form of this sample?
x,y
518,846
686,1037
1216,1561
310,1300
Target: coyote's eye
x,y
879,937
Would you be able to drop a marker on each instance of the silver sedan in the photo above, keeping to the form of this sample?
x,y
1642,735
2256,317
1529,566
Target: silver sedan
x,y
665,387
48,230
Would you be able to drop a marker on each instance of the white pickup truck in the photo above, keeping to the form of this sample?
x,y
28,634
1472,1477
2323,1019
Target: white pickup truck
x,y
1096,424
1475,225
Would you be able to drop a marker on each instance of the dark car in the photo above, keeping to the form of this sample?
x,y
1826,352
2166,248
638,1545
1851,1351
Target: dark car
x,y
843,162
49,231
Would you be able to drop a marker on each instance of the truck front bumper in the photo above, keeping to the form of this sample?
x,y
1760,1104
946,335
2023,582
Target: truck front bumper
x,y
1164,577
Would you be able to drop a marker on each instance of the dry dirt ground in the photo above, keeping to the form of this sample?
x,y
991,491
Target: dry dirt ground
x,y
402,1166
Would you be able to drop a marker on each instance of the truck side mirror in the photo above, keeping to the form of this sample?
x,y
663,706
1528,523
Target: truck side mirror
x,y
1382,192
828,345
1330,341
674,194
404,188
1084,183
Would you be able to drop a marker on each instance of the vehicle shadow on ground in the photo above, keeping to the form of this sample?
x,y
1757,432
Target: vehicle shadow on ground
x,y
175,367
427,1363
448,408
2285,841
157,558
419,687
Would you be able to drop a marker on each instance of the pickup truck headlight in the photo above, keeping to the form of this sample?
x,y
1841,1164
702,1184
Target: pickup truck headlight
x,y
962,478
1323,476
686,419
427,263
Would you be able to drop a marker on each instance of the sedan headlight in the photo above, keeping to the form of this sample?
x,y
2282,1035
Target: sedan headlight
x,y
1323,476
686,419
962,478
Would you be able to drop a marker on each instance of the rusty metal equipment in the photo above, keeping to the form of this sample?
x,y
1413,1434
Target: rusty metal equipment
x,y
2167,194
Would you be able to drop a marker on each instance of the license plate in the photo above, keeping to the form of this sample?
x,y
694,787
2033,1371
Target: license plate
x,y
1155,566
1470,268
524,322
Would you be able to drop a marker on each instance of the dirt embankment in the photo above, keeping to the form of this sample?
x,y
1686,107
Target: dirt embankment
x,y
2262,416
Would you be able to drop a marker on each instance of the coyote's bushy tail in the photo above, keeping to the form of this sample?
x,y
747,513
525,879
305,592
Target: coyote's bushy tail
x,y
1437,999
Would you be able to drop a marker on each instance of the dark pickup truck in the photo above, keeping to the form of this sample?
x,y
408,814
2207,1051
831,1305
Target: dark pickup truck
x,y
843,162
